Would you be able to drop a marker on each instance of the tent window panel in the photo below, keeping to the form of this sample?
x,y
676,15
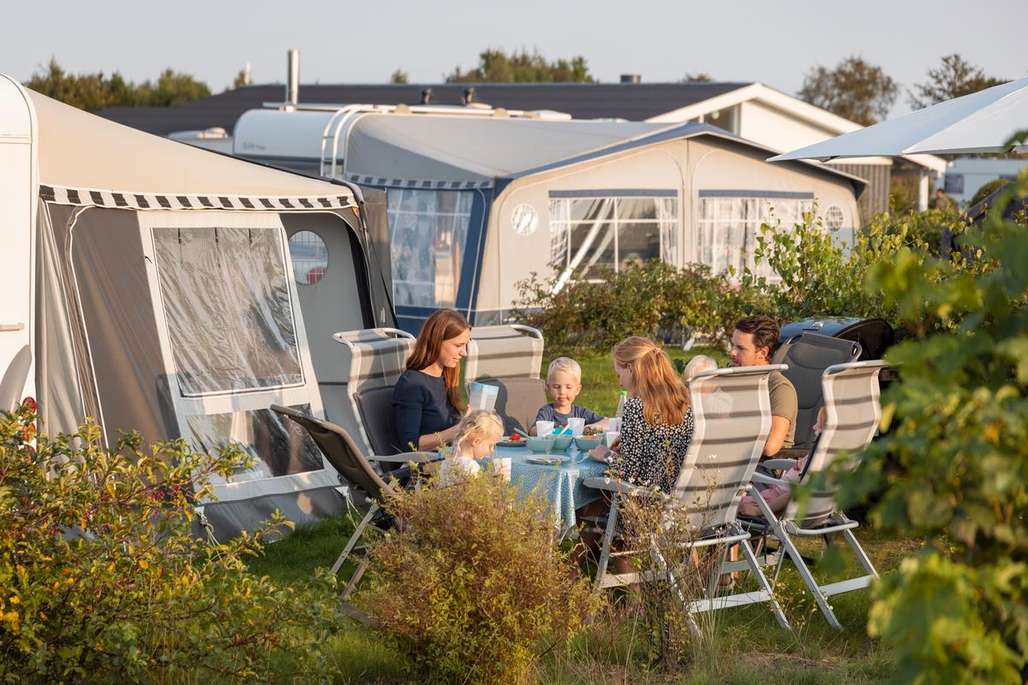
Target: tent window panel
x,y
278,447
611,232
730,227
428,230
225,294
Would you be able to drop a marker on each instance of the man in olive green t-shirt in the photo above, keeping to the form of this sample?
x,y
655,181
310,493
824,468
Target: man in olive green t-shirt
x,y
753,342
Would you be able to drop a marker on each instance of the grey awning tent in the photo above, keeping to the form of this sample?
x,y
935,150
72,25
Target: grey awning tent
x,y
166,301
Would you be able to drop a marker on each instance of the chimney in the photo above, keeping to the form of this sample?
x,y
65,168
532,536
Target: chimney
x,y
247,75
469,96
293,79
426,96
631,78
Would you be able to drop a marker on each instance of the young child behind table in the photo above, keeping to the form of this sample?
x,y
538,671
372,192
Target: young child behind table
x,y
778,496
477,436
563,383
697,365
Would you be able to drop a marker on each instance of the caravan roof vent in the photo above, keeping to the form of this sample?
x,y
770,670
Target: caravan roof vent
x,y
631,78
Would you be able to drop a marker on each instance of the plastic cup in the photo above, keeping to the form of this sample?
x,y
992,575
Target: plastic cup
x,y
614,424
577,426
612,437
502,467
543,428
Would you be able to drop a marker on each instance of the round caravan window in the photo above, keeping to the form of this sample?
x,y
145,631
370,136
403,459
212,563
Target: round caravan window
x,y
834,218
524,219
310,257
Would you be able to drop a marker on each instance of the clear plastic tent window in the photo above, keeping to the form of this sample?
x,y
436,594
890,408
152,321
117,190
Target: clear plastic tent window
x,y
427,230
225,295
611,232
730,226
279,446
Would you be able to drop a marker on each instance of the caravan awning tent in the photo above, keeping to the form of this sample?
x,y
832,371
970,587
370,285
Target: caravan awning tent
x,y
166,299
978,123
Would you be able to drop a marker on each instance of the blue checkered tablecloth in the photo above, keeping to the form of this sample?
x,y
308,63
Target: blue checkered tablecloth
x,y
560,485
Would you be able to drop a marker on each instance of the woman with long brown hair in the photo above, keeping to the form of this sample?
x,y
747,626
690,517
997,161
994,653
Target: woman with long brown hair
x,y
427,402
657,424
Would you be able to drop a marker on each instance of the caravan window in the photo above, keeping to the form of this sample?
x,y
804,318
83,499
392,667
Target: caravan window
x,y
589,233
427,231
226,300
729,228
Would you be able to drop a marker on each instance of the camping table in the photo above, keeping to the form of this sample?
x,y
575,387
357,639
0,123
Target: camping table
x,y
560,485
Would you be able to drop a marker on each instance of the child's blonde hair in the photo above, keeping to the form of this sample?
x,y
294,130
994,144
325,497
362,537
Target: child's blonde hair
x,y
476,424
698,365
566,365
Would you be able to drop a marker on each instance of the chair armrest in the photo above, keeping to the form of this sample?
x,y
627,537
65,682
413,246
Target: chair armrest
x,y
777,464
768,480
620,487
787,453
407,457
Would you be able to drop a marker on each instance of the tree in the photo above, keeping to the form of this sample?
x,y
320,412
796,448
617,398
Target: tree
x,y
854,89
242,78
399,77
698,77
173,88
93,92
496,66
951,80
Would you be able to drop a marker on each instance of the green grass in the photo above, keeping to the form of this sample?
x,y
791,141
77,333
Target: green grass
x,y
746,646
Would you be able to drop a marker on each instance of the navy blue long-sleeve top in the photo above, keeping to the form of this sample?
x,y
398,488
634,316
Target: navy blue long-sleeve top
x,y
420,407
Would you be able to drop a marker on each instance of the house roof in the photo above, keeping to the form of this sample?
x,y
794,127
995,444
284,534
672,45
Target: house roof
x,y
634,102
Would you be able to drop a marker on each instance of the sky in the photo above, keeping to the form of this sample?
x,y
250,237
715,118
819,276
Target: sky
x,y
771,41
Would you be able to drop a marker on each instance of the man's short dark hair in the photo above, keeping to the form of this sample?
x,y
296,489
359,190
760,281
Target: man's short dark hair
x,y
764,330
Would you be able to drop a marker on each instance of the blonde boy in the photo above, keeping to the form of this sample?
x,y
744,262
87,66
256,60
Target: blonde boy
x,y
563,383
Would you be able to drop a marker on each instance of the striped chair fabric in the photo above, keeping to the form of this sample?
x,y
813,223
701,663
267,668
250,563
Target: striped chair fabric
x,y
732,419
853,411
509,351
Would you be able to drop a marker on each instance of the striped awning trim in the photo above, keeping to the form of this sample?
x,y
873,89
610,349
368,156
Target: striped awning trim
x,y
122,200
417,184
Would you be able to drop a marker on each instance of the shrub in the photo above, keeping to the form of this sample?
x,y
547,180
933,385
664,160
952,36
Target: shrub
x,y
101,579
471,587
652,299
817,277
958,462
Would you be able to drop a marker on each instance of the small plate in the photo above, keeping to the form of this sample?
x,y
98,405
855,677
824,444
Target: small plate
x,y
511,443
548,460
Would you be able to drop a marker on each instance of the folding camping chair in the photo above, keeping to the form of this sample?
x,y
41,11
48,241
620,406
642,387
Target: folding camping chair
x,y
807,356
853,412
377,358
353,466
510,358
509,351
732,419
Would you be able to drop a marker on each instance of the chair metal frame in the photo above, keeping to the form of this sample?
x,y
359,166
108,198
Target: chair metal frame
x,y
798,520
